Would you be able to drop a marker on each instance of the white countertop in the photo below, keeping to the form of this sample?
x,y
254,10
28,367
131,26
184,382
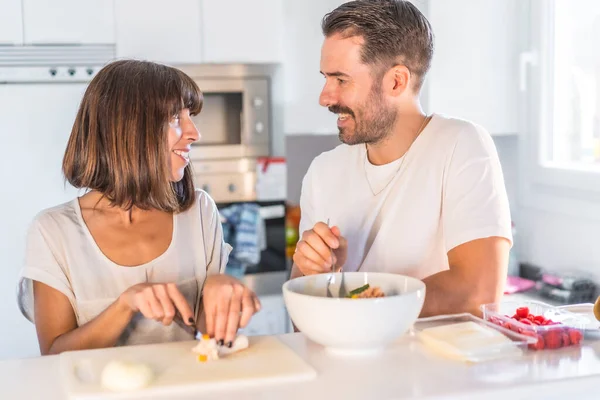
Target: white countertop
x,y
405,370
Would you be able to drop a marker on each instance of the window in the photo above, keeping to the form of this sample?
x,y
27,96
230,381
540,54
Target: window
x,y
570,85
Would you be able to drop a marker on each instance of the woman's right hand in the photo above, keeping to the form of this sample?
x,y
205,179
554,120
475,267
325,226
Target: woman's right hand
x,y
158,301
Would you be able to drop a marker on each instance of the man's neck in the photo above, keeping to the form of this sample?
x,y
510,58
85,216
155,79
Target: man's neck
x,y
399,141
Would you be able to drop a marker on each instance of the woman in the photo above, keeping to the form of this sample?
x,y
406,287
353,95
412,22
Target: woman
x,y
141,247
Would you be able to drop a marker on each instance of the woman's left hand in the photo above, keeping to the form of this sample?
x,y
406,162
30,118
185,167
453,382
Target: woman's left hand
x,y
228,306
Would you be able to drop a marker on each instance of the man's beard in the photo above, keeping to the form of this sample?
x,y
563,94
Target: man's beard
x,y
375,123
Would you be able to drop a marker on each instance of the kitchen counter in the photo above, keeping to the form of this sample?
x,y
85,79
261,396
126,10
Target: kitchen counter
x,y
406,370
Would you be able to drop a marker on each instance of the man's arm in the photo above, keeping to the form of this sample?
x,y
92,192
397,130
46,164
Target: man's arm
x,y
476,276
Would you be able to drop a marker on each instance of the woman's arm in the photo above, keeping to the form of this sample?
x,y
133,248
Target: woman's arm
x,y
57,328
56,324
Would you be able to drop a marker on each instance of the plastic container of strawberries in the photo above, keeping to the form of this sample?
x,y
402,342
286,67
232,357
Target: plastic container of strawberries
x,y
553,327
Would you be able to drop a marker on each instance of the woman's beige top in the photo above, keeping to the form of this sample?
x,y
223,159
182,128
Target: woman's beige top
x,y
62,253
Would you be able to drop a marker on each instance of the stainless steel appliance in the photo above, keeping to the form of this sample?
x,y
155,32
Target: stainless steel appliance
x,y
235,127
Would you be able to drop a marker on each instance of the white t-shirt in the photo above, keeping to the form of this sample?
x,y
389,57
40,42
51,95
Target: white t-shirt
x,y
448,189
62,253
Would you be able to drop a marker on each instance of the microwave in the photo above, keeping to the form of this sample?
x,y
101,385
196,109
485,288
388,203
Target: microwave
x,y
235,121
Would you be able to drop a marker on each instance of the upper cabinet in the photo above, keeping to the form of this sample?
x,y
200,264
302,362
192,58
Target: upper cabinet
x,y
474,75
159,30
67,21
243,31
200,31
11,22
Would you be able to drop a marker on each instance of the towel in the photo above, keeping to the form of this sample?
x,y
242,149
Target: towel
x,y
244,230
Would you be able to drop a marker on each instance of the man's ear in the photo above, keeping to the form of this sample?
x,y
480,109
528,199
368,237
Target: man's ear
x,y
396,80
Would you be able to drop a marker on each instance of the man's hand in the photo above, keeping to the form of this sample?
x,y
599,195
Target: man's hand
x,y
313,252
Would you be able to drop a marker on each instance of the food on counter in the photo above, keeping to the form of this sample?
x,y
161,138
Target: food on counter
x,y
463,339
550,334
597,308
208,349
125,376
365,292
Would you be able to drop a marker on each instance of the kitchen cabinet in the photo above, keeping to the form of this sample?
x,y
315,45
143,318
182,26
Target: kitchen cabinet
x,y
242,31
68,21
11,22
302,80
474,75
30,160
158,30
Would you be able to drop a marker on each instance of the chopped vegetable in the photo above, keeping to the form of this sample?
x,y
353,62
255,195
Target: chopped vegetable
x,y
358,291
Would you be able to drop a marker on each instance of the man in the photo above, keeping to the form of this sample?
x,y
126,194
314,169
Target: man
x,y
407,193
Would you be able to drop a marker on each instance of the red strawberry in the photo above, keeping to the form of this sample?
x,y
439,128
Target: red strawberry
x,y
539,345
531,317
565,339
553,339
539,318
575,336
526,321
522,312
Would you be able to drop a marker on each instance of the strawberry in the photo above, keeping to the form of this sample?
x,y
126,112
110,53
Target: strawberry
x,y
526,321
539,318
575,336
553,339
522,312
565,339
539,345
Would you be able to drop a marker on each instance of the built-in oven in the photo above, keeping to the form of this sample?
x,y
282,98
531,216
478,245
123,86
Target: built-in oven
x,y
273,249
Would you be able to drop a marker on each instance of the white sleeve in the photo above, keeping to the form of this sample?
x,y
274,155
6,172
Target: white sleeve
x,y
308,217
42,265
475,203
217,250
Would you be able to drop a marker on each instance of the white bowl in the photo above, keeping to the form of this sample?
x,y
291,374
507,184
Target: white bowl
x,y
354,326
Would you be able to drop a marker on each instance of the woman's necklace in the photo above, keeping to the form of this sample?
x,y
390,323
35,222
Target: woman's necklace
x,y
399,166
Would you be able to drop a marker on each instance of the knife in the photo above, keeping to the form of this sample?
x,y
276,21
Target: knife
x,y
189,329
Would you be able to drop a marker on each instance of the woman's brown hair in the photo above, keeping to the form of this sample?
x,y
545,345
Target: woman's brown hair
x,y
118,144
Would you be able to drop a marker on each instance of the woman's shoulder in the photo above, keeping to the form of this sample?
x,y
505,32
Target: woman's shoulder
x,y
204,206
56,216
205,203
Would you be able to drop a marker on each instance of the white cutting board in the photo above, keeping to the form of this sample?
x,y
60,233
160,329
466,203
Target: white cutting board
x,y
177,370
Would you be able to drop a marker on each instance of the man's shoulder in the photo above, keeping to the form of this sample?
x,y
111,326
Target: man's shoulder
x,y
458,129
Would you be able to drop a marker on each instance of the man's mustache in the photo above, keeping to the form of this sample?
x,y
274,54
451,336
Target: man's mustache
x,y
341,110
